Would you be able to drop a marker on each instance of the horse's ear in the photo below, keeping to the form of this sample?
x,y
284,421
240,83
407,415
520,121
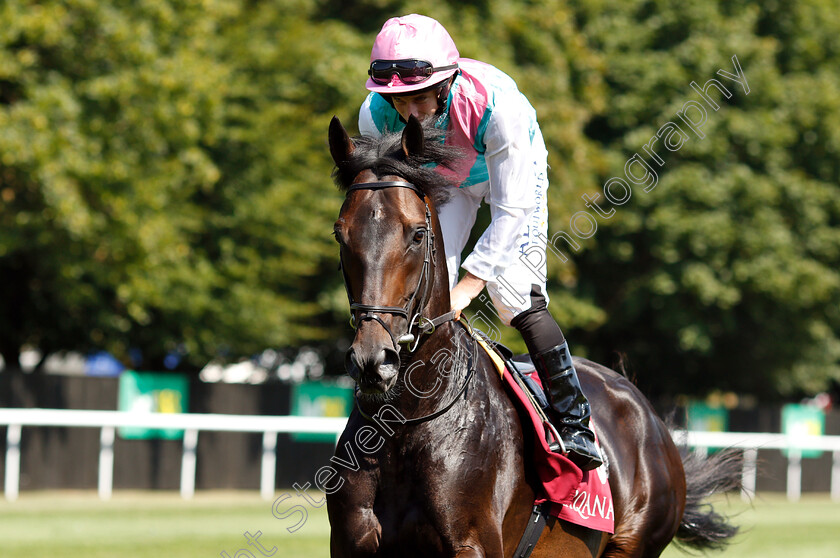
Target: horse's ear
x,y
341,146
412,138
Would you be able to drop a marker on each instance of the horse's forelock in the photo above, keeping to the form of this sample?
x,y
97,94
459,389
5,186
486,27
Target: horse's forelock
x,y
384,156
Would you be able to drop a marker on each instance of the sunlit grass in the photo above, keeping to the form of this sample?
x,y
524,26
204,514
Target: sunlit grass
x,y
772,527
156,524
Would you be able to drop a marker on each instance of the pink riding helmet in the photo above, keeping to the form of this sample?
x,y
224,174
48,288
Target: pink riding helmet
x,y
413,37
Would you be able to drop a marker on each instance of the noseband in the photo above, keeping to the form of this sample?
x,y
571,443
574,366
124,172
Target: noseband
x,y
412,311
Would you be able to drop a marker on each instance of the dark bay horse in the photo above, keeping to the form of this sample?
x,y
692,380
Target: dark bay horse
x,y
433,458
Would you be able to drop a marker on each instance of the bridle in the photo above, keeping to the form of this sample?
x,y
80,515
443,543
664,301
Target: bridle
x,y
412,311
413,308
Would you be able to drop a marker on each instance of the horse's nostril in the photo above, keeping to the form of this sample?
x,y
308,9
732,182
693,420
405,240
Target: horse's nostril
x,y
351,365
375,372
391,358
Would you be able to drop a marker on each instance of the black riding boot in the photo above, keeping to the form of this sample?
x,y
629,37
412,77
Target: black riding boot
x,y
570,407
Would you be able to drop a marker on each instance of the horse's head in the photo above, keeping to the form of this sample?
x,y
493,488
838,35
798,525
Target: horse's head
x,y
391,253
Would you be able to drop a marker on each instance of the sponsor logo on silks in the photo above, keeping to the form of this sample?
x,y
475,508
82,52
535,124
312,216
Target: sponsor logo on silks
x,y
587,505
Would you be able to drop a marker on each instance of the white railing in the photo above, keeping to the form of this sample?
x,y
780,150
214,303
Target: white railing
x,y
271,426
751,442
192,424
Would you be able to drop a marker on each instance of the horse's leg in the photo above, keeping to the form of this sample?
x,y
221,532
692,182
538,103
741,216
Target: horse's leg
x,y
490,546
355,529
567,540
357,537
469,552
494,550
367,545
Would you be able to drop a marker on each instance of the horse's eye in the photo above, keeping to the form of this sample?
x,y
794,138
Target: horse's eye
x,y
419,235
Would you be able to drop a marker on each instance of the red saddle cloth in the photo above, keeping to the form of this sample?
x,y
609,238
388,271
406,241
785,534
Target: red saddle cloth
x,y
579,497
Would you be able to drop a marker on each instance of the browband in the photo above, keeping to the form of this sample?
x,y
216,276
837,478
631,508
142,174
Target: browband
x,y
382,185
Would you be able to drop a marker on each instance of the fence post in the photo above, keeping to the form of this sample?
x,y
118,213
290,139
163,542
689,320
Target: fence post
x,y
794,475
749,473
106,462
268,471
12,462
188,464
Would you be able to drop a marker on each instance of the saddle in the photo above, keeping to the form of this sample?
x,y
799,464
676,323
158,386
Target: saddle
x,y
524,368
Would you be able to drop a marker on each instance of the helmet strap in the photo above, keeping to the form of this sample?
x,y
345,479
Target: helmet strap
x,y
443,93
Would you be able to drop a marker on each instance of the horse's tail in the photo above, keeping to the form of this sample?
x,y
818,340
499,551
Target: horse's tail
x,y
702,527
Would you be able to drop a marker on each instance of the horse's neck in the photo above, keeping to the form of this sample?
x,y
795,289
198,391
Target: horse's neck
x,y
435,373
439,302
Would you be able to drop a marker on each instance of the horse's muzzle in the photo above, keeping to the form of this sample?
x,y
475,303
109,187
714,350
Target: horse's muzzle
x,y
375,372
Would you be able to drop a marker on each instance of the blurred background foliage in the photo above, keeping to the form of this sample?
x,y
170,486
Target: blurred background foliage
x,y
165,179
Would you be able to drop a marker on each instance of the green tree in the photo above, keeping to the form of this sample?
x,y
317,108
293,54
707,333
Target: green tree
x,y
725,275
164,177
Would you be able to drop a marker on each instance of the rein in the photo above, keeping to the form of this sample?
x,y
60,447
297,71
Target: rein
x,y
442,410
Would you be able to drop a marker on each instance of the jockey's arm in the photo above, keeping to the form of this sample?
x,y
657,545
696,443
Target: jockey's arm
x,y
510,164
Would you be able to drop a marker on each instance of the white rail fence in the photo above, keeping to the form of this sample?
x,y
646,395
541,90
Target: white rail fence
x,y
751,442
191,424
271,426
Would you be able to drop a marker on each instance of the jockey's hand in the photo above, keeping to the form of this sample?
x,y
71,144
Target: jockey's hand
x,y
462,294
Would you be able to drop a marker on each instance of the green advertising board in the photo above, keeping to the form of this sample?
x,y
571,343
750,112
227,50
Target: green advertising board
x,y
802,420
707,418
152,392
320,399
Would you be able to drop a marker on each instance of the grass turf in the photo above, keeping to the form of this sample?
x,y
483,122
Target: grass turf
x,y
147,525
154,524
772,527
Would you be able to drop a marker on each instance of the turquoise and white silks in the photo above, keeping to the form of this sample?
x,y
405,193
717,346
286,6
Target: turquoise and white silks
x,y
504,165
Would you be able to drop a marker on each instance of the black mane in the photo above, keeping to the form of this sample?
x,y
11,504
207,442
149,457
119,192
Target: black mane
x,y
384,156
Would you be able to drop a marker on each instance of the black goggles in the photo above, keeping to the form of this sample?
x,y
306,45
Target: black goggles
x,y
410,71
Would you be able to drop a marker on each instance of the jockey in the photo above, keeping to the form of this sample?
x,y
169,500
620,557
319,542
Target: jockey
x,y
416,69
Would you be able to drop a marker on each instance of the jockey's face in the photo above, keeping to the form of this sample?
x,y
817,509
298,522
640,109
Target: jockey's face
x,y
422,105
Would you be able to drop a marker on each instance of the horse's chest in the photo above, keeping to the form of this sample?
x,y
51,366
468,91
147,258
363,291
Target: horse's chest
x,y
425,495
408,531
426,502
